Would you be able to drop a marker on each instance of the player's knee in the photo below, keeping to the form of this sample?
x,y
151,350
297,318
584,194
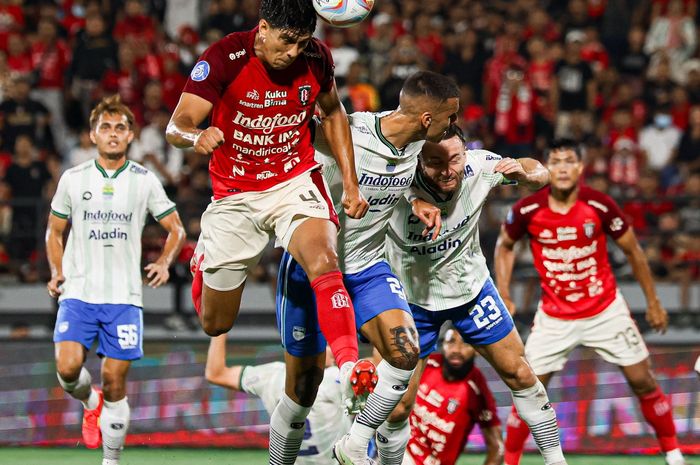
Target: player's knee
x,y
518,375
68,368
213,329
322,263
407,359
306,386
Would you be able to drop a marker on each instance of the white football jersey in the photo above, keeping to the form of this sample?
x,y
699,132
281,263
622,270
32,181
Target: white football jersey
x,y
102,258
450,271
325,424
385,174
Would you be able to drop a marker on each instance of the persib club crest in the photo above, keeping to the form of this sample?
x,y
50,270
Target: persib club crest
x,y
589,229
452,405
304,94
298,333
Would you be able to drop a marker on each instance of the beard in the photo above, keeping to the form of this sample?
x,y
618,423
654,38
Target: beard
x,y
455,373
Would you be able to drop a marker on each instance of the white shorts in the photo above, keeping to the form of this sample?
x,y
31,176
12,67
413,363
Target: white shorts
x,y
613,334
236,229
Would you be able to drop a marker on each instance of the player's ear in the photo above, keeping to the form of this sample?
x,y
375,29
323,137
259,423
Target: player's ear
x,y
426,119
92,136
263,28
131,136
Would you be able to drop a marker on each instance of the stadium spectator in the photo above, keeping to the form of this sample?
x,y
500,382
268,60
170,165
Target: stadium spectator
x,y
84,151
440,428
687,156
674,34
21,115
359,94
658,142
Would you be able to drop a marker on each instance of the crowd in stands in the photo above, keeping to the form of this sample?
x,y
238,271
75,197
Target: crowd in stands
x,y
622,77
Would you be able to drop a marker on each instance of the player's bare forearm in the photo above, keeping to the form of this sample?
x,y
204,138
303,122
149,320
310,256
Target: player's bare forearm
x,y
337,132
536,175
174,241
216,371
640,266
54,252
494,445
182,130
504,261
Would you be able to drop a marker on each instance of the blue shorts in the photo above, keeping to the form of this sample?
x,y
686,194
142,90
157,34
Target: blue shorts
x,y
481,322
118,327
373,291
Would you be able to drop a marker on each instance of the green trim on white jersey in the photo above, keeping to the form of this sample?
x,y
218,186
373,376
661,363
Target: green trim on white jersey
x,y
450,271
102,259
384,173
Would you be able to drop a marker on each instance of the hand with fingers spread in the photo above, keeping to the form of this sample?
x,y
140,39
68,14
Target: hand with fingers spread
x,y
430,215
511,169
354,203
657,317
54,286
157,274
208,140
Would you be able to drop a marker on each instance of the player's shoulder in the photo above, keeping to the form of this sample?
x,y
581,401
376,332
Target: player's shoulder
x,y
79,168
598,200
483,155
138,170
317,50
238,44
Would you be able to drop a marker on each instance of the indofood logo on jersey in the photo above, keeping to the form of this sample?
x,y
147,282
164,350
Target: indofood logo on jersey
x,y
267,124
108,216
385,182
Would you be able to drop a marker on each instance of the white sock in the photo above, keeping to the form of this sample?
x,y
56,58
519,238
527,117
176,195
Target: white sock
x,y
392,384
287,426
80,388
675,457
392,439
534,408
114,422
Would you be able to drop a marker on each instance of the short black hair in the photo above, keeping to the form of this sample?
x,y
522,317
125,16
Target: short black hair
x,y
564,144
455,131
434,85
297,16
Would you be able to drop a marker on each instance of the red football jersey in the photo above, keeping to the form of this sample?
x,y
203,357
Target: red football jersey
x,y
570,250
264,114
445,413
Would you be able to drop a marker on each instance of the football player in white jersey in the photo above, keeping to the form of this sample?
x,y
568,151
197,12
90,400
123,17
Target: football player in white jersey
x,y
446,278
323,425
386,149
97,277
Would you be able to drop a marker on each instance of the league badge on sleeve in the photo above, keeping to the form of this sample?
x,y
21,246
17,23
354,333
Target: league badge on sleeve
x,y
304,94
200,71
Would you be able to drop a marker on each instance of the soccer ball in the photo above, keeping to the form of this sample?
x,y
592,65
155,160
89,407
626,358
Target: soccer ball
x,y
343,13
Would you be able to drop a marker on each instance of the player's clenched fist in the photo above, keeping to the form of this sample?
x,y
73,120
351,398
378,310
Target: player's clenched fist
x,y
208,140
354,203
54,286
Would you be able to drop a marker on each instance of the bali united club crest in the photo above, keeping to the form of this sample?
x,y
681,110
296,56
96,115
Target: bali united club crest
x,y
452,405
340,300
304,94
588,229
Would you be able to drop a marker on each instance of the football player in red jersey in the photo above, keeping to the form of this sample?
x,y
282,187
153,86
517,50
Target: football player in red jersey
x,y
452,397
567,224
259,89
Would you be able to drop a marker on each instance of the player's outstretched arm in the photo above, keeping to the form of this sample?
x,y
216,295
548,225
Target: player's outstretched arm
x,y
504,258
493,438
656,314
54,252
337,132
216,370
527,171
157,272
182,130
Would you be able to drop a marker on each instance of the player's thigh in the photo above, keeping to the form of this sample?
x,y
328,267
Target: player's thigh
x,y
550,342
306,224
428,324
121,332
297,319
614,335
75,330
303,377
232,240
507,357
640,377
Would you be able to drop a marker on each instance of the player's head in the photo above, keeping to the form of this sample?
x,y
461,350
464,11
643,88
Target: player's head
x,y
458,356
442,163
433,99
565,164
111,127
285,29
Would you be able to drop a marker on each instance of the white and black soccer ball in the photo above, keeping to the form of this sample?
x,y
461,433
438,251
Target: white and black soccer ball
x,y
343,13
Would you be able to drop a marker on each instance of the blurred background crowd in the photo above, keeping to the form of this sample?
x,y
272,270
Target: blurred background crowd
x,y
622,77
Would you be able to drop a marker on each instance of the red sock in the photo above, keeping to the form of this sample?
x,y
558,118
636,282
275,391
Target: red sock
x,y
516,435
336,316
657,410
